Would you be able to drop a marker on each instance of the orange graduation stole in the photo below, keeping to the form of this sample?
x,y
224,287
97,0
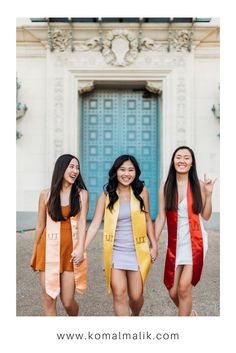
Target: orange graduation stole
x,y
52,261
138,221
196,242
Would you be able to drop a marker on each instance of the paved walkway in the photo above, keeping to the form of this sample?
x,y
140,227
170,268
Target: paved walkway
x,y
96,302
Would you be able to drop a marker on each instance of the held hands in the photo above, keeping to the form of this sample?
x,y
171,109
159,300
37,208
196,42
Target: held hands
x,y
154,253
77,256
208,185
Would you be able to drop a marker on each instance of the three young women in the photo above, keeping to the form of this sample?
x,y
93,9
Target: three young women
x,y
184,200
58,252
129,240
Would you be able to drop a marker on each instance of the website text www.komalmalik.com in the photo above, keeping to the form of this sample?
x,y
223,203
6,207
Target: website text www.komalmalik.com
x,y
119,336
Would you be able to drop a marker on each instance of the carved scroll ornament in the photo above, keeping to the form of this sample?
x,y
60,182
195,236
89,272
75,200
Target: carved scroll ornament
x,y
120,48
154,87
85,86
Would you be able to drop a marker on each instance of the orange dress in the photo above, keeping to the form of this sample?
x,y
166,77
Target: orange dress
x,y
66,246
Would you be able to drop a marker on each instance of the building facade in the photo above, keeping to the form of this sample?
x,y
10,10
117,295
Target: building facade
x,y
98,88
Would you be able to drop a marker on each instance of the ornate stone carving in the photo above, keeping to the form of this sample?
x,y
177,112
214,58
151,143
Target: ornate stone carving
x,y
149,44
58,108
60,40
154,87
85,86
96,44
180,40
90,44
181,111
120,47
20,108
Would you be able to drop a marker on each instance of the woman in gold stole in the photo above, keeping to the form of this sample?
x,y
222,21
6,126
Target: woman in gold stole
x,y
183,202
58,252
129,241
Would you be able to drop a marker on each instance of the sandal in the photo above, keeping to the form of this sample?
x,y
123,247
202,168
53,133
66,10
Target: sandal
x,y
194,313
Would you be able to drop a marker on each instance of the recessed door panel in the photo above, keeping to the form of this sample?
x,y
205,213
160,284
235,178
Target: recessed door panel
x,y
116,122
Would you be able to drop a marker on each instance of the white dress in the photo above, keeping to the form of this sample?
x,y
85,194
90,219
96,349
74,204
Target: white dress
x,y
183,247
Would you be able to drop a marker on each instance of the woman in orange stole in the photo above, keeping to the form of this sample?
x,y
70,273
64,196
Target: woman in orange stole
x,y
128,235
58,252
183,202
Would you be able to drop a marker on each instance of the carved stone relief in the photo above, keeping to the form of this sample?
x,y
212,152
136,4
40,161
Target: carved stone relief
x,y
60,40
85,86
147,44
181,110
120,47
90,44
180,40
58,106
154,87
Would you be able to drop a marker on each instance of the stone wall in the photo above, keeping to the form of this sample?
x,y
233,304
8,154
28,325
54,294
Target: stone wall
x,y
52,83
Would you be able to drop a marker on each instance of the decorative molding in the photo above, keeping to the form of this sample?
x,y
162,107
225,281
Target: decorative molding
x,y
120,47
85,86
116,74
181,110
58,106
180,40
59,39
147,44
90,44
154,87
20,108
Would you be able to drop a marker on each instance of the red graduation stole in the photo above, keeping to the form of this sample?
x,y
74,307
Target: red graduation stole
x,y
196,242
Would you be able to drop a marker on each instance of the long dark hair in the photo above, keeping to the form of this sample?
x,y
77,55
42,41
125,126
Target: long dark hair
x,y
54,202
170,188
137,185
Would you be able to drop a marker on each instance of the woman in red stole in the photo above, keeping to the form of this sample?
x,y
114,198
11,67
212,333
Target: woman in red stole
x,y
129,240
183,201
58,252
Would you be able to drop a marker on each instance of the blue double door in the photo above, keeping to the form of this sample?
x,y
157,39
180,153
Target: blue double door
x,y
116,122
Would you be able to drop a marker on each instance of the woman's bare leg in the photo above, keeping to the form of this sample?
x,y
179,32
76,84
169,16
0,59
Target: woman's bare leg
x,y
173,292
49,303
119,291
135,291
68,293
185,291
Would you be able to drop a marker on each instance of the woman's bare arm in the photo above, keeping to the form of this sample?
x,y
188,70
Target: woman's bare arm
x,y
161,217
97,219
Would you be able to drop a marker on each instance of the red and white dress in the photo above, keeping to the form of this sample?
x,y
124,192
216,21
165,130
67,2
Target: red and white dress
x,y
187,240
184,247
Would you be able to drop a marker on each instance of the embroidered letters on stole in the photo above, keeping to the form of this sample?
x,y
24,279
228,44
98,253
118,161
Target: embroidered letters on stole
x,y
52,261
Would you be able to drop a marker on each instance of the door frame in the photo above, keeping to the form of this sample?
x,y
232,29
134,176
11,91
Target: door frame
x,y
157,139
86,80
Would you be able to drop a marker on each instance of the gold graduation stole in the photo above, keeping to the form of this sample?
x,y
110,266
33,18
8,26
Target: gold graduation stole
x,y
52,261
138,221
